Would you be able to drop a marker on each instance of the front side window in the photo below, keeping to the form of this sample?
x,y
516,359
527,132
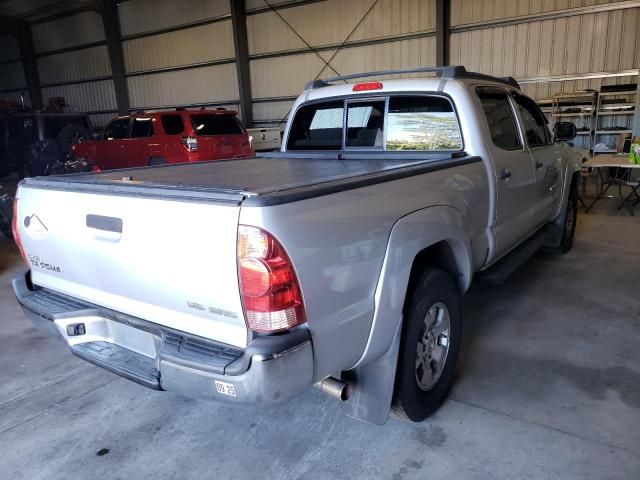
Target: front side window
x,y
172,124
365,123
317,127
206,125
500,119
142,127
533,122
422,123
117,129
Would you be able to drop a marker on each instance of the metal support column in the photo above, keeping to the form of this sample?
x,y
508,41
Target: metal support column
x,y
111,22
636,113
29,64
239,24
443,23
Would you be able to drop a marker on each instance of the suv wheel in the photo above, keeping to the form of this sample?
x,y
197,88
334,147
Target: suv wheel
x,y
69,135
429,346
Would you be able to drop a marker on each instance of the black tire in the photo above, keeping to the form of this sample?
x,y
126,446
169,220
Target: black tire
x,y
70,135
6,214
570,218
156,161
432,289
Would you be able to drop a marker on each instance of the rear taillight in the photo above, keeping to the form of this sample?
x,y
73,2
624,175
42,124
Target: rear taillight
x,y
15,230
190,143
270,291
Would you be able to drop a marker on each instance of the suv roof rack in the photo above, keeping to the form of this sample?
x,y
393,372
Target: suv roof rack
x,y
449,72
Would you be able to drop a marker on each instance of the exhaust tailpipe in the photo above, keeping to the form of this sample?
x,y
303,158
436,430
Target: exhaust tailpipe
x,y
334,388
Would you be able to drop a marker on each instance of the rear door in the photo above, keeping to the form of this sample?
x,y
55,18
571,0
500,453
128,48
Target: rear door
x,y
546,159
220,136
140,144
111,152
170,262
513,167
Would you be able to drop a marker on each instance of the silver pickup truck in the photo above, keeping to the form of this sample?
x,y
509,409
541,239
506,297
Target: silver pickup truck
x,y
338,262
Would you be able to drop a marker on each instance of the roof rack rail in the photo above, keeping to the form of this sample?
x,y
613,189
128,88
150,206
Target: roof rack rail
x,y
450,72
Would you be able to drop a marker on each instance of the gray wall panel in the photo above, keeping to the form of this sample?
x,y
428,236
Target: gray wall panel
x,y
200,85
194,45
76,65
473,11
85,97
588,43
268,33
270,111
12,76
10,49
68,32
137,16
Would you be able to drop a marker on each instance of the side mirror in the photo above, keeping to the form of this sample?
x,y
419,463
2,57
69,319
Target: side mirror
x,y
564,131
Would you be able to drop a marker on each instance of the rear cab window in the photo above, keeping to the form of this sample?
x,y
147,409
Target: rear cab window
x,y
216,124
389,123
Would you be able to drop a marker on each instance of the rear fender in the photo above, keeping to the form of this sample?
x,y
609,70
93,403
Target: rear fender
x,y
372,378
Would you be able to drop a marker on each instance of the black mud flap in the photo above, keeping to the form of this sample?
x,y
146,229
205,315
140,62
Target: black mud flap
x,y
371,386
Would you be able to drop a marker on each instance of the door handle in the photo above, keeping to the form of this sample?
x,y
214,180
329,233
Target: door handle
x,y
539,164
506,173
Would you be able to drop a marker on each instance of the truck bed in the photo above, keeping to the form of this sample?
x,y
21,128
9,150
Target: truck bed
x,y
267,180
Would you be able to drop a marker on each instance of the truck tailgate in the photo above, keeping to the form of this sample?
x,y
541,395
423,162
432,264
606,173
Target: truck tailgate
x,y
167,261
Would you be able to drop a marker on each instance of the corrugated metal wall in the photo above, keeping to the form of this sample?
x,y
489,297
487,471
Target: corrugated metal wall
x,y
12,81
377,35
81,29
73,62
590,43
182,53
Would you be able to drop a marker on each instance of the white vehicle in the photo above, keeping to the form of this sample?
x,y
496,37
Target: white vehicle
x,y
338,262
265,139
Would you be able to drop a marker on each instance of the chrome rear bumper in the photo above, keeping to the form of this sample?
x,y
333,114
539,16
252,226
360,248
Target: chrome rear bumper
x,y
271,369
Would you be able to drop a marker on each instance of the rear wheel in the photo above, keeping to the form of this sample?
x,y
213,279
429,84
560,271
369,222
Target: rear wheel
x,y
569,223
429,346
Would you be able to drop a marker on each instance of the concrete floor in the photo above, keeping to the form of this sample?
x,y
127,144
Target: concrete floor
x,y
548,387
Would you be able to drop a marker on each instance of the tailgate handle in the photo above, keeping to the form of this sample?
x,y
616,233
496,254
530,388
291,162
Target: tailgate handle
x,y
107,224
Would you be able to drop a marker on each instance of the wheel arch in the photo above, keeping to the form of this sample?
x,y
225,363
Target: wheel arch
x,y
436,237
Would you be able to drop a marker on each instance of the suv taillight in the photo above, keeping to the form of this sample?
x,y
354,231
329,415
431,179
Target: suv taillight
x,y
15,230
190,143
268,284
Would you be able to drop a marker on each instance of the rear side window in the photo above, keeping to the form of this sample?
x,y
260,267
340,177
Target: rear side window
x,y
533,122
117,129
141,128
365,123
216,125
317,127
172,124
500,119
422,123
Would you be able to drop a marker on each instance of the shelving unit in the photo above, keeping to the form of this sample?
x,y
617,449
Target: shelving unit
x,y
578,107
615,108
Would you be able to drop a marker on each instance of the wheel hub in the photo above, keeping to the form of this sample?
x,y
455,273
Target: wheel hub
x,y
433,346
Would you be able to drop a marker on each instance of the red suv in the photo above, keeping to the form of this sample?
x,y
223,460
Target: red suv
x,y
156,138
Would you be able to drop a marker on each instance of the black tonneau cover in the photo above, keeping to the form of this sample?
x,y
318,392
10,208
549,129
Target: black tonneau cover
x,y
255,181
